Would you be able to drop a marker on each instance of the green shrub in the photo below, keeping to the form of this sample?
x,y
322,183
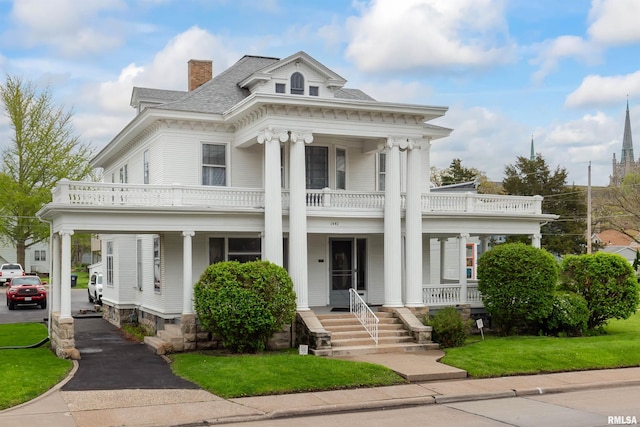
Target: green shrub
x,y
606,281
517,283
569,316
449,330
244,304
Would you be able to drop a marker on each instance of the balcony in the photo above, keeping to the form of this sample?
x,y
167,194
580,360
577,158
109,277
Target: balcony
x,y
157,196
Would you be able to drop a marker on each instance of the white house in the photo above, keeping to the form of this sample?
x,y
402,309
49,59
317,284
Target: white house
x,y
275,159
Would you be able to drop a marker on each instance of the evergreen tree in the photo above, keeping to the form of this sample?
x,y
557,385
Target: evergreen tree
x,y
529,177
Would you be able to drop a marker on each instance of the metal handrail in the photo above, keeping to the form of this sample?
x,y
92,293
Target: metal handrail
x,y
364,314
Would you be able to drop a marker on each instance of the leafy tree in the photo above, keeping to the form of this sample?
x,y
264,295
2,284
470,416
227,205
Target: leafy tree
x,y
529,177
42,150
606,281
517,282
618,207
244,304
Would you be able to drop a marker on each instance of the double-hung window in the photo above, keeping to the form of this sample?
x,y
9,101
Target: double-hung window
x,y
156,264
109,263
124,175
297,84
341,169
382,170
214,164
145,166
317,166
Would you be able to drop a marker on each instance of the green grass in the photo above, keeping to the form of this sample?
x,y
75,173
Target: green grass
x,y
275,373
502,356
83,278
27,373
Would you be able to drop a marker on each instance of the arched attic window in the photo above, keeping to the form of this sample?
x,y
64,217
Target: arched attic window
x,y
297,84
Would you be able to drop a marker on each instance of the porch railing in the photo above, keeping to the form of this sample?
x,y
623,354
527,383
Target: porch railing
x,y
449,294
364,314
112,194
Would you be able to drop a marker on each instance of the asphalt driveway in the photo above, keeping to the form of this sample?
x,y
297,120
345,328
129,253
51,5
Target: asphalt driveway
x,y
111,362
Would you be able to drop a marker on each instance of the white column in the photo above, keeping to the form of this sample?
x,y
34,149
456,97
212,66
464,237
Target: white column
x,y
187,272
535,240
462,241
54,280
484,244
443,262
413,227
65,271
392,228
298,218
271,139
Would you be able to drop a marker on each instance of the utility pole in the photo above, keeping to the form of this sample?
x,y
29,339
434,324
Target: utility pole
x,y
589,211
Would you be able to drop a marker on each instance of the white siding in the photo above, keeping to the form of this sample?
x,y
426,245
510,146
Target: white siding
x,y
124,289
361,170
375,270
172,289
318,271
246,167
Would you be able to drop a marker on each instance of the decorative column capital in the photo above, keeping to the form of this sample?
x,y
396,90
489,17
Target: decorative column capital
x,y
65,232
464,235
189,233
272,134
402,142
301,136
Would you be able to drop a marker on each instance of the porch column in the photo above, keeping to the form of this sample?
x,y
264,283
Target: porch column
x,y
271,140
535,240
462,240
443,261
54,280
484,244
187,272
392,226
65,271
413,226
298,218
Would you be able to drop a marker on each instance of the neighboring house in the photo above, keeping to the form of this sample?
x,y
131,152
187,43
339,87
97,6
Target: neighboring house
x,y
36,257
275,159
616,242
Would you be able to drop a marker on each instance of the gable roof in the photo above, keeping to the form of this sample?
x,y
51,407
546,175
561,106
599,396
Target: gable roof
x,y
616,238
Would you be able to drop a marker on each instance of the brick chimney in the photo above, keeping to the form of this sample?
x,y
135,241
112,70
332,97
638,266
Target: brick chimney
x,y
200,72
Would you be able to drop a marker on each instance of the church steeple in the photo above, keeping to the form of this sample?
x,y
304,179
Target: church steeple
x,y
533,152
627,141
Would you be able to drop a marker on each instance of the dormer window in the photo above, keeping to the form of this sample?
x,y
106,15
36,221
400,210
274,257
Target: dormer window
x,y
280,88
297,84
313,90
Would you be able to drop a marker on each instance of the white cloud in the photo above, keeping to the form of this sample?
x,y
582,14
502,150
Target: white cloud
x,y
614,22
432,34
552,51
399,91
68,25
602,90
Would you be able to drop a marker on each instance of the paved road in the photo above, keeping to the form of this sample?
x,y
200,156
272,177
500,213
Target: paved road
x,y
33,313
590,408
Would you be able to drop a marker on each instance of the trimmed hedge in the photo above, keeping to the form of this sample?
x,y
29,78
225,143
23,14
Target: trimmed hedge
x,y
449,329
517,283
606,281
244,304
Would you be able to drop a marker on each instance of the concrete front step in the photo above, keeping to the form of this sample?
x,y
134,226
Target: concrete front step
x,y
158,345
167,340
368,340
343,335
382,348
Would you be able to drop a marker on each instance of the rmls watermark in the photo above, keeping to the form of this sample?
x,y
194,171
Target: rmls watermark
x,y
622,419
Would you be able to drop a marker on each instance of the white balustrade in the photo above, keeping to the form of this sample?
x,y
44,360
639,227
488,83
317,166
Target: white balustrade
x,y
449,294
364,314
111,194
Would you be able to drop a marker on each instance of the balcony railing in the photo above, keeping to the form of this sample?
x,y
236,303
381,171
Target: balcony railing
x,y
110,194
449,294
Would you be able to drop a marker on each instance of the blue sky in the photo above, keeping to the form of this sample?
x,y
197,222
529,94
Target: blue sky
x,y
560,71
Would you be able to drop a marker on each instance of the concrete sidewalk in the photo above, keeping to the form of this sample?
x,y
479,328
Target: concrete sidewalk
x,y
168,407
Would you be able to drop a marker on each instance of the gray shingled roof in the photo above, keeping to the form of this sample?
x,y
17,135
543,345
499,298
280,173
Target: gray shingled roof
x,y
158,95
223,92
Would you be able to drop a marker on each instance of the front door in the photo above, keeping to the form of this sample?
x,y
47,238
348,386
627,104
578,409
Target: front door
x,y
347,269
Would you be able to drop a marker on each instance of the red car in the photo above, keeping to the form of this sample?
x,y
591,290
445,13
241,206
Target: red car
x,y
26,290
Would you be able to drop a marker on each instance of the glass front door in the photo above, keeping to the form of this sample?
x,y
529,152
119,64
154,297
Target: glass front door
x,y
348,258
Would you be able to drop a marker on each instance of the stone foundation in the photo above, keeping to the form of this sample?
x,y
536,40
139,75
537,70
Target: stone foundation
x,y
119,316
62,337
309,331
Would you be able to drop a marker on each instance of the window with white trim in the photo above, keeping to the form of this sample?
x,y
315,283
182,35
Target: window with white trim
x,y
214,164
341,169
297,84
317,167
145,166
314,90
382,170
109,263
124,175
139,264
241,249
280,88
39,255
156,264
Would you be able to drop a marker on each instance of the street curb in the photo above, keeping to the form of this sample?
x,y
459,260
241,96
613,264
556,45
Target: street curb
x,y
576,387
474,396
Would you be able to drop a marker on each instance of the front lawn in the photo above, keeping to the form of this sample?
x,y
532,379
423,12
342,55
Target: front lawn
x,y
27,373
275,373
501,356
